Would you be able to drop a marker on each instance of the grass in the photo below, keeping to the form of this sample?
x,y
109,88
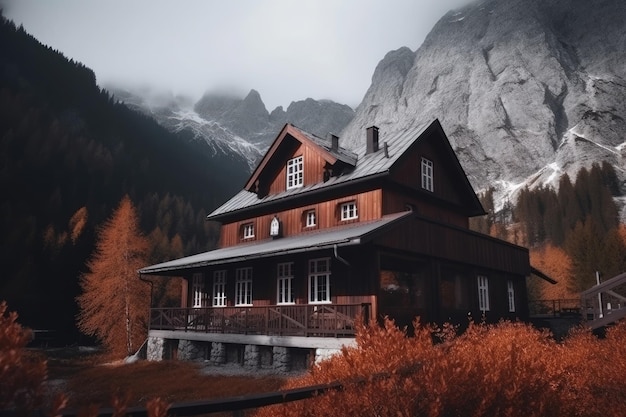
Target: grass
x,y
89,381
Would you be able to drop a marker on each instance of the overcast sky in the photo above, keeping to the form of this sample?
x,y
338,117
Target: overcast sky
x,y
287,50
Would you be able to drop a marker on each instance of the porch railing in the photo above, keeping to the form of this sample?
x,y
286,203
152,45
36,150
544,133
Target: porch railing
x,y
326,320
554,308
605,303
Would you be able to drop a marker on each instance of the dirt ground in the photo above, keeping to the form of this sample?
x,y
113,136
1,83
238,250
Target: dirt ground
x,y
88,378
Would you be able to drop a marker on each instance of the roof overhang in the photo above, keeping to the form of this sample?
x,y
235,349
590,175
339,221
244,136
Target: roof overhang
x,y
353,234
541,275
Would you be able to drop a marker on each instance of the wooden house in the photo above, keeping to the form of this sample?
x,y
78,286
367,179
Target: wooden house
x,y
321,235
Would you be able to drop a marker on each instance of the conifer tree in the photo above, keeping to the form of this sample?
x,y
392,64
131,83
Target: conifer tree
x,y
114,304
570,207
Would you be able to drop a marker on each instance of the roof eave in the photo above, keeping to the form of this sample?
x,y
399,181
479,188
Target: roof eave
x,y
294,197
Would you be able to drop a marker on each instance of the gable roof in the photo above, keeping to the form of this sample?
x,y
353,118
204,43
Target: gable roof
x,y
323,147
347,235
366,167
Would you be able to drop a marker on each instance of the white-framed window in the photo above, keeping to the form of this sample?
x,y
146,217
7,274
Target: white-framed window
x,y
427,174
295,172
349,211
284,280
319,280
219,288
483,293
511,293
310,219
197,289
248,231
243,287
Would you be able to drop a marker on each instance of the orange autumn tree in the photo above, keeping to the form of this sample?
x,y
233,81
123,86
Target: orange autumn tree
x,y
555,262
114,304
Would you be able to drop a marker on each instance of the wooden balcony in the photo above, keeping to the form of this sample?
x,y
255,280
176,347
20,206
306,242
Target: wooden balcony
x,y
324,320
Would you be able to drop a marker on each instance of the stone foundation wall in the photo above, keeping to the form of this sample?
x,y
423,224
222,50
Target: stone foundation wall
x,y
154,351
251,357
218,353
281,358
278,358
323,354
190,350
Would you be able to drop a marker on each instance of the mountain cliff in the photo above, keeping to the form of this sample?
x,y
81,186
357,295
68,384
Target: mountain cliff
x,y
235,128
526,90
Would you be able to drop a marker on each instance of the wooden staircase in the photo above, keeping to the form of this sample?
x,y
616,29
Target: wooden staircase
x,y
604,304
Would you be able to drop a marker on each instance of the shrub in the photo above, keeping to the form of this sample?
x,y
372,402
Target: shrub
x,y
506,369
22,373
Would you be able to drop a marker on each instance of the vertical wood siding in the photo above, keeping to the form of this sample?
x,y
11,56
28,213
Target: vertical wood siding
x,y
394,202
313,168
369,206
408,171
442,242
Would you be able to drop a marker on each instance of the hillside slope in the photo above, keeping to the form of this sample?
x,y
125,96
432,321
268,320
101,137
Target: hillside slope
x,y
69,153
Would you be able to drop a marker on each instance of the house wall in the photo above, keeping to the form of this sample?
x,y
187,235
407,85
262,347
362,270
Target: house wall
x,y
313,168
407,171
396,201
350,284
441,241
369,206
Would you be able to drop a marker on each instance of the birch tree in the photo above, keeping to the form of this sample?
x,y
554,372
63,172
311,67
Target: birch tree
x,y
114,303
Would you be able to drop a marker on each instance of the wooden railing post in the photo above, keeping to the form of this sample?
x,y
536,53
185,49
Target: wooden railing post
x,y
365,313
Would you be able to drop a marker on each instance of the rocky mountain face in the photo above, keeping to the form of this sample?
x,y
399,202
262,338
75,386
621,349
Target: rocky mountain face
x,y
240,129
525,89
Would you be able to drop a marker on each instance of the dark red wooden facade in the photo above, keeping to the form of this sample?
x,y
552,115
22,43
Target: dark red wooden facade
x,y
429,264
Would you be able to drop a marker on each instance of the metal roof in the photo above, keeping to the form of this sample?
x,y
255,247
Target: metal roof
x,y
340,153
367,165
352,234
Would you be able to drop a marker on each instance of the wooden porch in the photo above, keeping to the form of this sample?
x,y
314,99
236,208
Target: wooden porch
x,y
322,320
605,303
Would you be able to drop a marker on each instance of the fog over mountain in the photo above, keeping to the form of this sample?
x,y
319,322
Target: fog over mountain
x,y
239,128
525,89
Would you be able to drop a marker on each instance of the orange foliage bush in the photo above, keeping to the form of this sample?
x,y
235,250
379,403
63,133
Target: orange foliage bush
x,y
508,369
22,375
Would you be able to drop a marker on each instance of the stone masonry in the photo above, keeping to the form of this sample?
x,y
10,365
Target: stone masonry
x,y
218,353
281,359
154,351
189,350
251,357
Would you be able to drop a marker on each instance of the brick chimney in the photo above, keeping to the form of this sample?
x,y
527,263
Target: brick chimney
x,y
372,140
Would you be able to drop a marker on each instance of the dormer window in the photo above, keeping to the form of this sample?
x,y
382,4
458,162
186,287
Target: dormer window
x,y
310,220
348,211
295,173
248,231
427,175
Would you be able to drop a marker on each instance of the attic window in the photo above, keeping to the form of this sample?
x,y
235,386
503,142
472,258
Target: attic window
x,y
248,231
349,211
310,220
295,173
427,174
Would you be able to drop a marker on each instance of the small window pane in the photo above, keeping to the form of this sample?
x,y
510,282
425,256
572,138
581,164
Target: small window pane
x,y
511,294
483,293
427,174
349,211
310,218
219,289
295,172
